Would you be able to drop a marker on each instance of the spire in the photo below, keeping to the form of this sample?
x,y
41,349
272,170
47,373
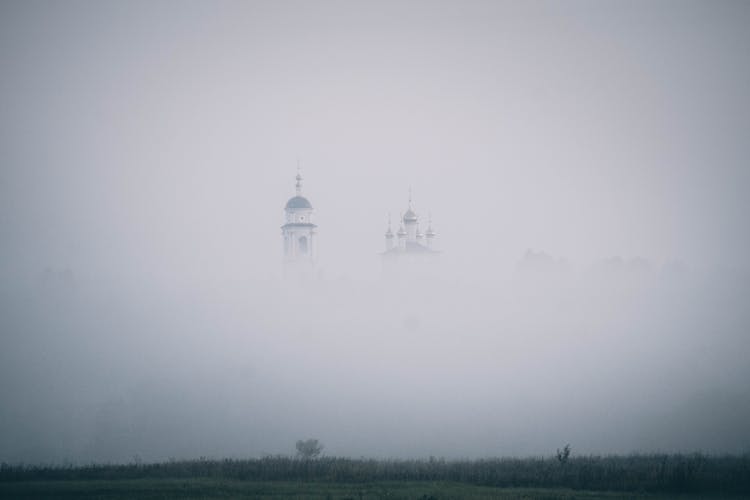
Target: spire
x,y
299,181
401,230
430,233
389,232
410,207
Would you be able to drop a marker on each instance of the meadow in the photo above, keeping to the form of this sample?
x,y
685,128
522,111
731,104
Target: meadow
x,y
631,476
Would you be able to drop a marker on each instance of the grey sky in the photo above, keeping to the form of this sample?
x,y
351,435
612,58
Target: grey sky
x,y
586,129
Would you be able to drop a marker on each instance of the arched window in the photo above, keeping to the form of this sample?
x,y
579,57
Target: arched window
x,y
303,244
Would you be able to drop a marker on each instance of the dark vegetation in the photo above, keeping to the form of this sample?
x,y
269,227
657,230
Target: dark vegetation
x,y
309,448
696,473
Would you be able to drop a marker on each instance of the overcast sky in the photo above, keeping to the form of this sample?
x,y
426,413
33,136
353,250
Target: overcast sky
x,y
144,145
167,133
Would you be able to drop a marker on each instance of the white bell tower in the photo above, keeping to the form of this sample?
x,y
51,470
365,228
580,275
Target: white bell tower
x,y
299,232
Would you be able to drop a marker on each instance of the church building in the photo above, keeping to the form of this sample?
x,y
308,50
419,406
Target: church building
x,y
409,240
299,231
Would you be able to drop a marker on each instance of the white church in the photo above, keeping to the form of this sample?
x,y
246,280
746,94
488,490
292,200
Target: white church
x,y
409,240
299,233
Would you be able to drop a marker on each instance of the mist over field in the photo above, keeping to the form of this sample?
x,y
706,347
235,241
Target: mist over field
x,y
584,164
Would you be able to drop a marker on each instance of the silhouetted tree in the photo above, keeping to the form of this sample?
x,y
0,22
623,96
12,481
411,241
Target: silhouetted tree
x,y
309,448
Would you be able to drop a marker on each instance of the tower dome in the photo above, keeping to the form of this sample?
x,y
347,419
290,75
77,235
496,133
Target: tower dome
x,y
298,202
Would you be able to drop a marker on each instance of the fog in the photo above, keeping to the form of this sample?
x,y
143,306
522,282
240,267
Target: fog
x,y
584,166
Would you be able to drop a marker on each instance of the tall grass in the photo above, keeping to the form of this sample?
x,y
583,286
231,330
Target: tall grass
x,y
636,473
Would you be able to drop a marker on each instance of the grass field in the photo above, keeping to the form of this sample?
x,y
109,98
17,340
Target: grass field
x,y
226,488
586,477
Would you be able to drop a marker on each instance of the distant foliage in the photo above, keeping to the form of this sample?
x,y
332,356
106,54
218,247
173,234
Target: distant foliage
x,y
309,448
563,455
695,473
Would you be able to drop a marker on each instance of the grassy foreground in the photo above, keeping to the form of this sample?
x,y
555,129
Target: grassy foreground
x,y
633,476
229,488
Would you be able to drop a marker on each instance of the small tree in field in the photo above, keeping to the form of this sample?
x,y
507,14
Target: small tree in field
x,y
309,448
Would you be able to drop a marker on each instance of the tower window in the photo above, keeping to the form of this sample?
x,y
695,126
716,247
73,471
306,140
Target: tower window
x,y
303,244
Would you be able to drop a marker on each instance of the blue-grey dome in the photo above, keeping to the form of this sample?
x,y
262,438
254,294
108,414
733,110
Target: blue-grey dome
x,y
298,202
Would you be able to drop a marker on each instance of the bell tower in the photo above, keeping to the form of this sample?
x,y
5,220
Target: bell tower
x,y
298,232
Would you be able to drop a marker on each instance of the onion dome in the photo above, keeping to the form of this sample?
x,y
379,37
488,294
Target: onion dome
x,y
410,216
